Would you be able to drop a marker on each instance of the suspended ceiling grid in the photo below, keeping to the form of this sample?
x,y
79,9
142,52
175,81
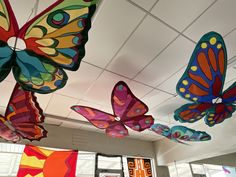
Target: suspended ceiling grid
x,y
146,43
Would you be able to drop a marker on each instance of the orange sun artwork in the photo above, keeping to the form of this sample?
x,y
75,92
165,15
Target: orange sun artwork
x,y
39,162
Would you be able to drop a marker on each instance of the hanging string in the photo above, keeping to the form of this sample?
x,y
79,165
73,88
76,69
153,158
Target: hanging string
x,y
34,10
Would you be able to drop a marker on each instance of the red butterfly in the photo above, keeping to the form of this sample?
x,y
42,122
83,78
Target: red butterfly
x,y
22,118
128,110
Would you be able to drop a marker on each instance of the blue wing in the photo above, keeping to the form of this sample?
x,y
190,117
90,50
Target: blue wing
x,y
5,60
188,134
161,130
204,77
36,73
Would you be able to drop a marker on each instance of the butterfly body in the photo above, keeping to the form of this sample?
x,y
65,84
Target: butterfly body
x,y
180,133
22,118
202,83
53,40
128,111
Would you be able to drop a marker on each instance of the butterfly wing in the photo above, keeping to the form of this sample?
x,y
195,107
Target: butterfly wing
x,y
129,108
8,28
24,115
191,112
204,77
125,104
161,130
102,120
6,133
219,113
229,95
187,134
54,39
117,130
140,123
99,119
60,32
36,73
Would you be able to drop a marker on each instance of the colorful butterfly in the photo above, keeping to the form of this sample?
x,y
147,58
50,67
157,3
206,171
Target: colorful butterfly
x,y
22,118
53,40
180,133
128,110
202,83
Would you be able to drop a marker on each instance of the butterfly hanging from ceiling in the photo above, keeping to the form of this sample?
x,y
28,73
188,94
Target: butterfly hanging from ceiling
x,y
202,83
52,41
22,118
128,111
180,133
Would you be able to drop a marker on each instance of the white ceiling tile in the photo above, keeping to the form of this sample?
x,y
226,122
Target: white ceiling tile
x,y
100,92
149,39
230,43
169,84
164,111
43,100
78,82
76,116
60,105
167,63
228,84
138,89
230,74
230,77
114,23
2,110
45,4
180,13
6,89
146,4
107,109
10,78
155,98
22,15
220,18
89,104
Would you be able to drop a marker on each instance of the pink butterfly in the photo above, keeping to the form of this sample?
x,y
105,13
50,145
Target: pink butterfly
x,y
128,111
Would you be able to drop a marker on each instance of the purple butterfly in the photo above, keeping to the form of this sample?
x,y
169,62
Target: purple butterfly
x,y
128,111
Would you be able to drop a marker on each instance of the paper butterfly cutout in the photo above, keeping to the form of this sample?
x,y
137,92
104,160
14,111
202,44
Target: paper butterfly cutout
x,y
22,118
53,40
128,110
203,81
180,133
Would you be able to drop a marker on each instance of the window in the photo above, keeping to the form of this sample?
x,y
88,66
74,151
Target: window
x,y
180,170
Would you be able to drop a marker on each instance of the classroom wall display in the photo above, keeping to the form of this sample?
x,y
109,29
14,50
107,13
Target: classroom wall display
x,y
139,167
37,161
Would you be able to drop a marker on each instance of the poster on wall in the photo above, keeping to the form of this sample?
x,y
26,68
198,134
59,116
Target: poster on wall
x,y
139,167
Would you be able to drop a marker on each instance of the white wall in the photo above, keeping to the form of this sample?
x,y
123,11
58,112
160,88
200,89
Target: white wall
x,y
227,160
60,137
223,142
